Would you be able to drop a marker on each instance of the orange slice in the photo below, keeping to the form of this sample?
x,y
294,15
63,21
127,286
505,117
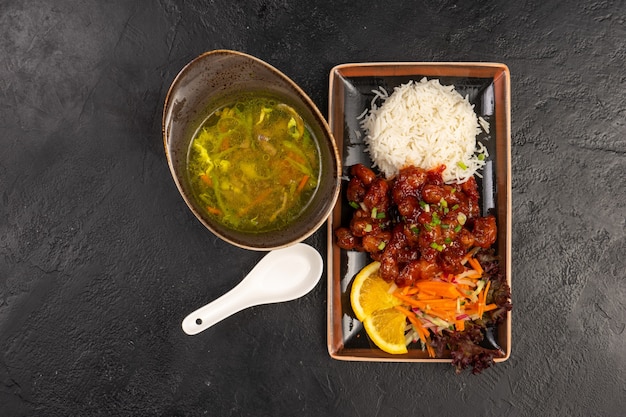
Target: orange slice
x,y
372,302
386,329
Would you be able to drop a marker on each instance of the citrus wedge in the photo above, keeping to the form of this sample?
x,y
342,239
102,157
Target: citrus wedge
x,y
373,304
370,292
386,329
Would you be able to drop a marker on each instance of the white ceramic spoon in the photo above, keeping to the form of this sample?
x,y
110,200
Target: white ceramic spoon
x,y
282,275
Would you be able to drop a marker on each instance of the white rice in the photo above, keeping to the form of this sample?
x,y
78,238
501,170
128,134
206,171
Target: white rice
x,y
424,124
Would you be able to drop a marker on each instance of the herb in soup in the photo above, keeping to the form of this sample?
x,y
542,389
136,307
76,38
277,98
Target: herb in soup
x,y
254,165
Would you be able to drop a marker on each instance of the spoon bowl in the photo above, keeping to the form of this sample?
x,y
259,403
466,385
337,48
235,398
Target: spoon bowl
x,y
282,275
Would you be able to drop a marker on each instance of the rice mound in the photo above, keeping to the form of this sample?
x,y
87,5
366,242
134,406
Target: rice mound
x,y
424,124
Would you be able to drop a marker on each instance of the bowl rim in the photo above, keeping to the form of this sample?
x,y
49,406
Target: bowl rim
x,y
317,115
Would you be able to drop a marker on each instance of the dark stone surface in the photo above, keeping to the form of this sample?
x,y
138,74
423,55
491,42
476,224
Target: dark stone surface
x,y
100,259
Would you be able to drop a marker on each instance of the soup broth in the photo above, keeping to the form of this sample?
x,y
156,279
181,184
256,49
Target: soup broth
x,y
254,164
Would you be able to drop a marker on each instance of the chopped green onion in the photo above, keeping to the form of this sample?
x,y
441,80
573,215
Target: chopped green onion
x,y
454,207
354,204
443,202
381,215
461,165
452,191
445,226
436,220
425,206
462,218
436,246
381,245
458,228
374,212
481,156
427,227
368,228
415,230
448,240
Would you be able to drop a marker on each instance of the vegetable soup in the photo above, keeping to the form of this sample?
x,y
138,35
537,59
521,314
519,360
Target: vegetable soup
x,y
254,164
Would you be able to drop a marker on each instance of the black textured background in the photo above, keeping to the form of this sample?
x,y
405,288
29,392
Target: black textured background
x,y
100,259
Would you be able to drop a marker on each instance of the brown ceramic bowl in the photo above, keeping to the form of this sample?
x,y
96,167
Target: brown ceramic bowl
x,y
211,81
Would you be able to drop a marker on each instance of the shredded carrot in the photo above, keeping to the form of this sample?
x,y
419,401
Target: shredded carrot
x,y
473,274
214,210
303,182
442,314
296,157
490,307
460,325
409,290
254,202
417,325
225,144
482,299
423,295
476,265
431,351
463,287
444,289
442,303
406,299
486,292
421,332
469,255
206,179
404,310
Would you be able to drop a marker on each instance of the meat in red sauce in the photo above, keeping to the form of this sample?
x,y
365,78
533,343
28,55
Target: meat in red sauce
x,y
417,226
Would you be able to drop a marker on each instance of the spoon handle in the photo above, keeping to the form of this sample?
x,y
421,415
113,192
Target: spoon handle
x,y
214,312
282,275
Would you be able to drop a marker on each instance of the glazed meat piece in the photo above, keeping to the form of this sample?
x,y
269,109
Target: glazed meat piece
x,y
435,176
485,231
417,271
450,258
434,194
375,242
398,252
388,268
470,188
465,239
377,196
361,223
409,208
361,178
356,190
363,173
408,183
346,240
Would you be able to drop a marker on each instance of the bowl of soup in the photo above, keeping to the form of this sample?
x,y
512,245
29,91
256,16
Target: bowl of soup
x,y
250,153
